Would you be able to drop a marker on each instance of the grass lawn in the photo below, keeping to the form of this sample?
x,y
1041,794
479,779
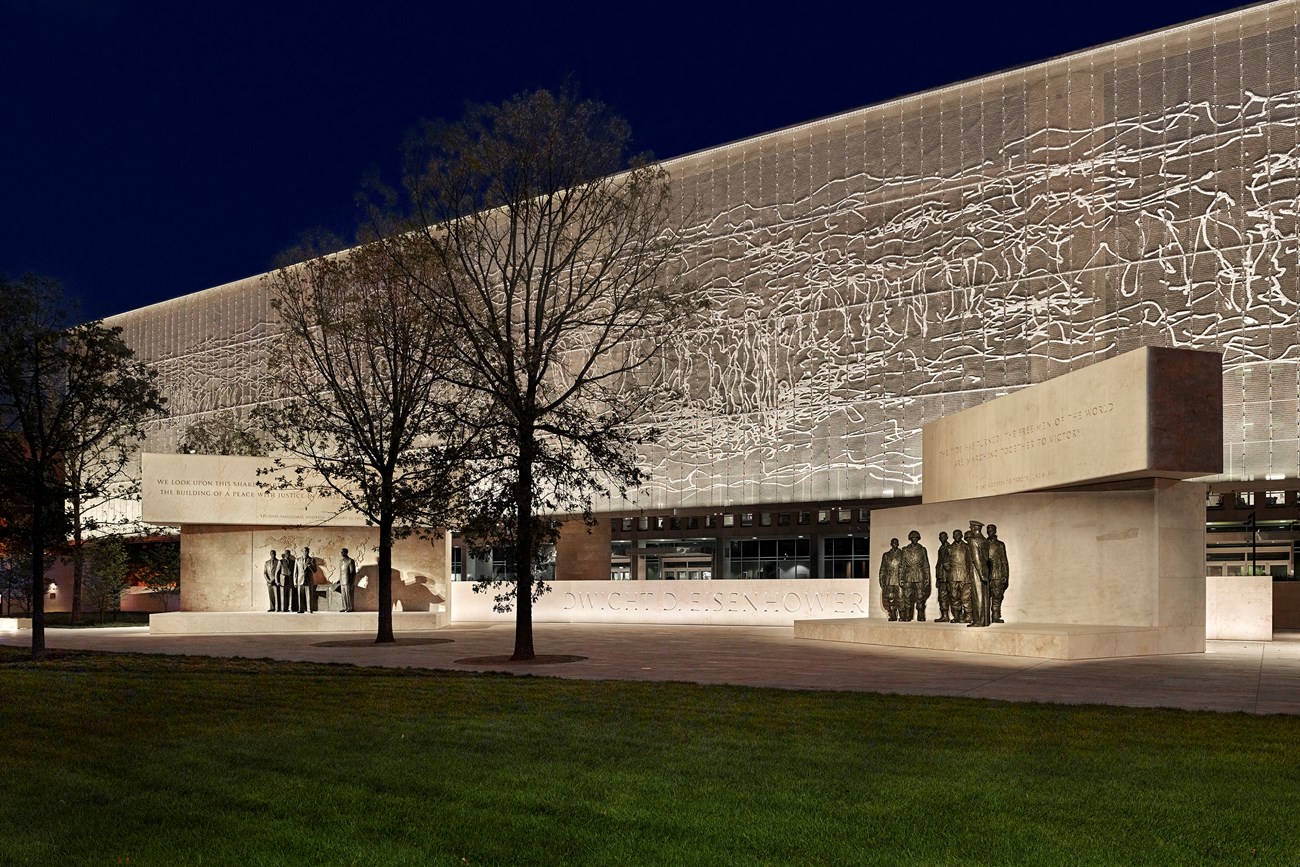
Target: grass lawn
x,y
142,760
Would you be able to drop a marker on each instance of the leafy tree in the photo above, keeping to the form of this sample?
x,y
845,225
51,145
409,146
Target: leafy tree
x,y
543,257
69,396
158,567
365,414
97,477
221,433
15,570
110,563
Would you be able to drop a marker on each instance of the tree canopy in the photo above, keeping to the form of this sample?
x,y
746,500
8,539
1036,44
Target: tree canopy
x,y
73,398
541,252
365,413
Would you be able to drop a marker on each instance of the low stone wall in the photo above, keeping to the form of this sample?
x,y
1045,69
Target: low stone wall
x,y
722,602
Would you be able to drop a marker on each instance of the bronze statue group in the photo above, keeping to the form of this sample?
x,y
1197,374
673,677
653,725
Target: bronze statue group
x,y
291,582
971,572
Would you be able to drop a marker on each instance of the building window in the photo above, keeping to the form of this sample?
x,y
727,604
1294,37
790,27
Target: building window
x,y
805,518
627,525
643,523
1213,500
670,559
765,519
864,515
1275,498
847,557
498,565
693,522
769,559
746,519
728,520
783,519
1245,499
845,515
674,523
824,516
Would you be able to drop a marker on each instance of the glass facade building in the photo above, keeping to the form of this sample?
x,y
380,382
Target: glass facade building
x,y
879,269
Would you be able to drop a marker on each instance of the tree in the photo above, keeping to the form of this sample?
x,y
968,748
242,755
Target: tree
x,y
551,284
67,394
158,567
110,563
15,570
221,434
97,475
366,413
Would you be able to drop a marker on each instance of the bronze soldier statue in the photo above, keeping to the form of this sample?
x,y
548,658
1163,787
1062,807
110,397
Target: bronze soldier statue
x,y
959,579
891,576
999,574
941,579
916,577
979,575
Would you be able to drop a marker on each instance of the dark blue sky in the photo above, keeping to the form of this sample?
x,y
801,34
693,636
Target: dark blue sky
x,y
148,150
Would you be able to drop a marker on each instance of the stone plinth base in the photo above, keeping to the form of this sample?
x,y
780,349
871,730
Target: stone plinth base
x,y
217,622
1040,640
13,624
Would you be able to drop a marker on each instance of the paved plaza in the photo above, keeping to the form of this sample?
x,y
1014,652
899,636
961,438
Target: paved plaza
x,y
1250,676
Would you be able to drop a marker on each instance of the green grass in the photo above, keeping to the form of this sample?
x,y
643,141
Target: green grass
x,y
124,759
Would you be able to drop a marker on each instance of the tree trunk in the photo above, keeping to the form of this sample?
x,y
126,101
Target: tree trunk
x,y
78,560
384,635
524,554
38,571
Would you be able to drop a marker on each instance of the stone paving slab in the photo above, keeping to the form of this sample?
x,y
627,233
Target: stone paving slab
x,y
1254,677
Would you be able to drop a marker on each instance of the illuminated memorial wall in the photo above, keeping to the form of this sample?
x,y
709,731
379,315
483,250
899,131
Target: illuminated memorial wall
x,y
887,267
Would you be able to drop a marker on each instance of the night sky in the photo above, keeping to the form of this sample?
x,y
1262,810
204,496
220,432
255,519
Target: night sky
x,y
149,150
